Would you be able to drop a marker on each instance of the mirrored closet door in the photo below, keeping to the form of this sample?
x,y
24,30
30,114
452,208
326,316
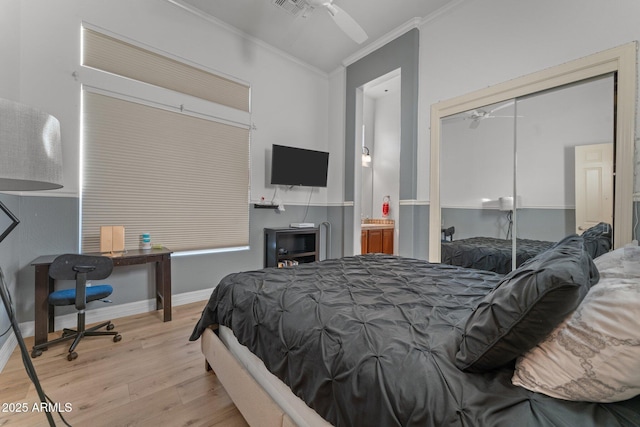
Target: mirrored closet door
x,y
518,175
554,128
477,158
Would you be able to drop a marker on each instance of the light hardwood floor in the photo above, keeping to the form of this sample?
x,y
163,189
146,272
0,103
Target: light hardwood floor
x,y
153,377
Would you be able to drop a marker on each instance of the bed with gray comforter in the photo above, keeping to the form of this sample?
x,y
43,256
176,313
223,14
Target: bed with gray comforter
x,y
375,340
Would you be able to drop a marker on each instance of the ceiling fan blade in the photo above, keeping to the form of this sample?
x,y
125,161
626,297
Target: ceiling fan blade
x,y
500,107
347,23
454,118
477,114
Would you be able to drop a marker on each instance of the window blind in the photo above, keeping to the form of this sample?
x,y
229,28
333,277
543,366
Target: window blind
x,y
183,179
124,59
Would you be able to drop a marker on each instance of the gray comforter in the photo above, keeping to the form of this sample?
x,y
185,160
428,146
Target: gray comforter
x,y
371,341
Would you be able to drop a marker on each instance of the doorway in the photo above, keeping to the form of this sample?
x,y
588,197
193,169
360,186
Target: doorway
x,y
379,154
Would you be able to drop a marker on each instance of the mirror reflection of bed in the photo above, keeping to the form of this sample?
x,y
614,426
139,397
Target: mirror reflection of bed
x,y
524,149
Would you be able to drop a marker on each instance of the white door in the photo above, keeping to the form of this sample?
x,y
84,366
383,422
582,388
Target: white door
x,y
594,185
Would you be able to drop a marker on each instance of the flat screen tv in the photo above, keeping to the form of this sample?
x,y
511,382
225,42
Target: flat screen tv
x,y
298,166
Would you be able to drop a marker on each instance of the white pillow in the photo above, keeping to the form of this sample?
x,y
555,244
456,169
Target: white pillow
x,y
594,354
623,262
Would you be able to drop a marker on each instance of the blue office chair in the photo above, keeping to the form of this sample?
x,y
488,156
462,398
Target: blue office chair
x,y
79,268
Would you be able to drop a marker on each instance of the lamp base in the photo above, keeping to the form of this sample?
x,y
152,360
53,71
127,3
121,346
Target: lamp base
x,y
13,221
26,360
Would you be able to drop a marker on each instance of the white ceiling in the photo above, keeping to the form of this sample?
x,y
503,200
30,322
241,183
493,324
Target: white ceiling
x,y
316,40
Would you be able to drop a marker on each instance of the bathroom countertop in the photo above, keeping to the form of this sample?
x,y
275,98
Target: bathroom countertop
x,y
376,226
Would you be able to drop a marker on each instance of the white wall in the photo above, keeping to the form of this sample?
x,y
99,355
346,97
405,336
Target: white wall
x,y
482,43
381,118
367,194
289,100
551,126
386,159
10,48
477,161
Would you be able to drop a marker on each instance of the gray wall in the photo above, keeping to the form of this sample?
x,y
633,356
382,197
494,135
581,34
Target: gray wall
x,y
47,225
538,224
9,259
414,231
400,53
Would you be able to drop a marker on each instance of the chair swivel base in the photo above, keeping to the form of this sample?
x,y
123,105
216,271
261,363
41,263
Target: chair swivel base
x,y
68,334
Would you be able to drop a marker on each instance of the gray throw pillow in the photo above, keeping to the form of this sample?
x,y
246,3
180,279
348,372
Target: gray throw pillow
x,y
526,306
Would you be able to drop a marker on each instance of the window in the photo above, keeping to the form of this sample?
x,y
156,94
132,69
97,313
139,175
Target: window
x,y
154,166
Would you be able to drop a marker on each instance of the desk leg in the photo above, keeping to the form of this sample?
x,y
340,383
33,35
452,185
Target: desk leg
x,y
163,287
42,317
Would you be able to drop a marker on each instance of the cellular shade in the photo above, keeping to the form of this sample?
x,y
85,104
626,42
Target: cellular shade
x,y
124,59
182,179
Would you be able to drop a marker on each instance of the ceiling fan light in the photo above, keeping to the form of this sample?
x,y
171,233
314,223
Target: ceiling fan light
x,y
366,157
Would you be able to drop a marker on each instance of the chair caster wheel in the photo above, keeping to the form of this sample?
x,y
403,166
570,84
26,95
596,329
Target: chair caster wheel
x,y
110,326
36,353
72,356
117,338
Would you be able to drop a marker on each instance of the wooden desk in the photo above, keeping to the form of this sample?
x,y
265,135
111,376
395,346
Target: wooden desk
x,y
44,285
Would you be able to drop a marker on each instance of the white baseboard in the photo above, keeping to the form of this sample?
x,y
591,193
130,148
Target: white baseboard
x,y
7,349
189,297
100,314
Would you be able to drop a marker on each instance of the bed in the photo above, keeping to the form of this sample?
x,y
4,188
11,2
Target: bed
x,y
381,340
494,254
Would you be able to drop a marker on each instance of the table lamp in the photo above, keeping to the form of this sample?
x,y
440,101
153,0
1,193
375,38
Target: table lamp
x,y
30,159
507,205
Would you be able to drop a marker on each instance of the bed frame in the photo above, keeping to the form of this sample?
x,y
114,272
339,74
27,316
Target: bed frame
x,y
254,403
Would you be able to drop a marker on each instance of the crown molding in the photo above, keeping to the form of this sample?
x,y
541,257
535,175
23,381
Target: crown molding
x,y
442,11
397,32
390,36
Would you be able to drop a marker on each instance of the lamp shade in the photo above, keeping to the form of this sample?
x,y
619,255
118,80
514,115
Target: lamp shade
x,y
366,157
506,203
30,149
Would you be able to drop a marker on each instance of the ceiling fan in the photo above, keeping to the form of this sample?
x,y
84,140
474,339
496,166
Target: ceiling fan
x,y
479,114
343,20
